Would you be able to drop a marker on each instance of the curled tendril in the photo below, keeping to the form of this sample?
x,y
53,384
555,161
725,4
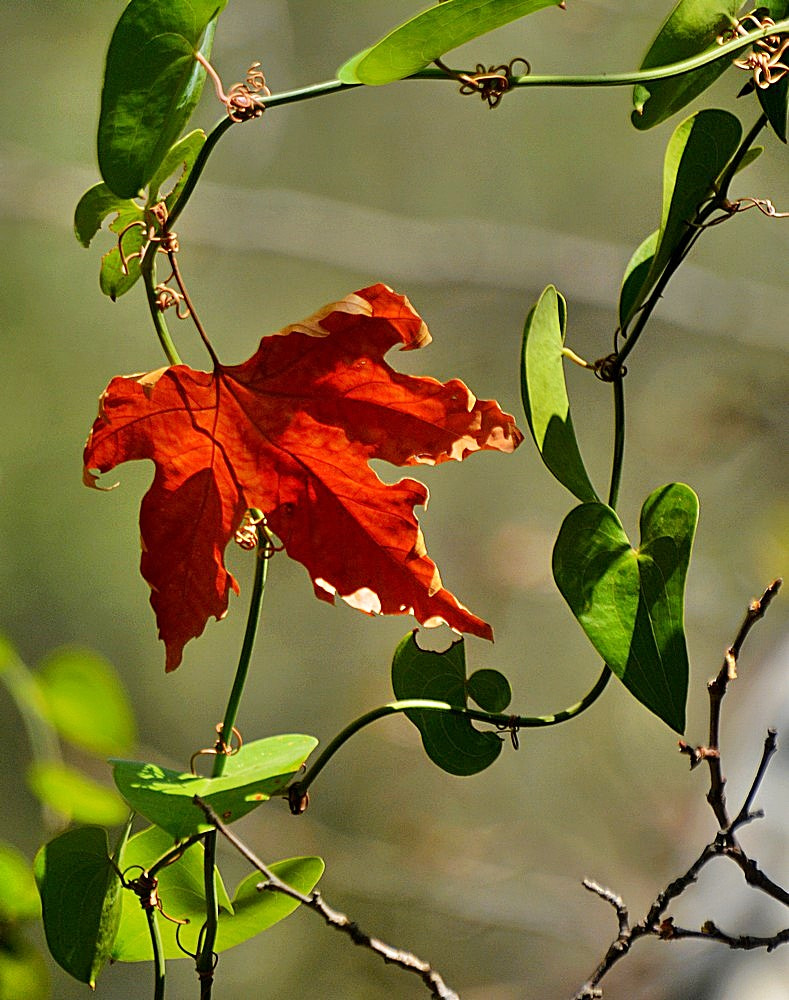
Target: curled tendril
x,y
244,100
512,727
764,60
247,535
491,83
608,369
155,230
167,297
220,748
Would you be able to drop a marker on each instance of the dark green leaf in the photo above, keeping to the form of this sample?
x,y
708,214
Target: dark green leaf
x,y
450,741
152,83
630,601
697,152
544,394
442,27
86,701
490,690
80,900
18,895
182,892
690,29
181,157
258,771
75,796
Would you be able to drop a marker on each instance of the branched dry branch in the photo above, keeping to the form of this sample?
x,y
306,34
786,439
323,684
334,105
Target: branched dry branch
x,y
725,844
314,901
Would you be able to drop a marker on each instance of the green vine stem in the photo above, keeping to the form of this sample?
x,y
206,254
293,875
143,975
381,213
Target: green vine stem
x,y
148,269
505,721
205,958
158,953
328,87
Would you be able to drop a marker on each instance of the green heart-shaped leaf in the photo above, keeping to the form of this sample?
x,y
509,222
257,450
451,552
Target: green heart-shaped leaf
x,y
450,741
152,83
258,771
690,29
697,153
544,394
442,27
80,900
630,601
180,158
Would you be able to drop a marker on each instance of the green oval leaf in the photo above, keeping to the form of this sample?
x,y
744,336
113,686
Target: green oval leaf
x,y
696,154
80,900
93,208
690,29
258,771
544,394
630,601
152,83
75,796
450,741
86,701
444,26
490,690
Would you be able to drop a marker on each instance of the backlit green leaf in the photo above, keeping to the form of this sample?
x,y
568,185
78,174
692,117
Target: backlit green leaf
x,y
258,771
86,701
75,796
690,29
489,689
180,158
633,291
152,83
93,208
450,741
544,394
19,898
442,27
80,900
630,601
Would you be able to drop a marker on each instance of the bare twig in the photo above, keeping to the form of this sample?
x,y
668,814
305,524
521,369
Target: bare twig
x,y
314,901
656,923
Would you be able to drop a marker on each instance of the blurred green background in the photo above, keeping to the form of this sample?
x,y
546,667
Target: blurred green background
x,y
470,213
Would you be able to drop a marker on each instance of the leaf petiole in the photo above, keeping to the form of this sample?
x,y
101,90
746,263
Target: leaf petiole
x,y
503,720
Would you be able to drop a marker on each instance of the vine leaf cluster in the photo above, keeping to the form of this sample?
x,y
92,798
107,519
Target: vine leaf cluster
x,y
275,451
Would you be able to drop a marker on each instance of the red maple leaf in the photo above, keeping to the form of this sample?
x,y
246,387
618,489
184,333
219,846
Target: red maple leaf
x,y
290,431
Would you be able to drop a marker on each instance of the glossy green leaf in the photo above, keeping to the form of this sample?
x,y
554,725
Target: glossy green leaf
x,y
180,158
152,83
80,900
19,898
630,601
490,690
697,152
257,772
442,27
690,29
544,394
450,741
75,796
86,701
181,890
